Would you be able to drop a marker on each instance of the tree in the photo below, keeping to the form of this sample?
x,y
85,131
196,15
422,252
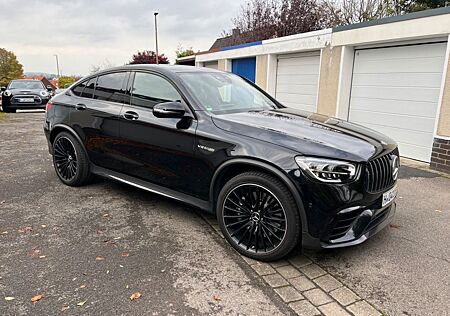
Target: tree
x,y
105,65
181,52
10,68
65,81
264,19
148,57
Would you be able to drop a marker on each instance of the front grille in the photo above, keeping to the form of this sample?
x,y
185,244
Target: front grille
x,y
379,173
37,99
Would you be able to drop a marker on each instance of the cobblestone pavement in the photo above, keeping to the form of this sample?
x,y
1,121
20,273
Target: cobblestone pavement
x,y
307,288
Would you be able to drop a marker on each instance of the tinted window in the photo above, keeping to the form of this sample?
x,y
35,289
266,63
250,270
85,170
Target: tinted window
x,y
109,87
149,89
78,89
88,91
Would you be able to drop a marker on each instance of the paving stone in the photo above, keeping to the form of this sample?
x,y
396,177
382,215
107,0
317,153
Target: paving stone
x,y
300,261
344,295
304,308
317,297
288,294
333,309
249,260
280,263
327,283
302,283
312,271
263,268
288,272
275,280
362,308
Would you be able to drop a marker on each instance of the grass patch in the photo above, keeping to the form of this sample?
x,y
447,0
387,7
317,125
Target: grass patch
x,y
2,116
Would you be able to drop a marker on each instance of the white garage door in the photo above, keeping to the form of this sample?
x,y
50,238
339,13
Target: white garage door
x,y
211,64
395,91
297,80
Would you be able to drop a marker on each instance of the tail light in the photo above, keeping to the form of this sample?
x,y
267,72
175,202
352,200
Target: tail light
x,y
48,107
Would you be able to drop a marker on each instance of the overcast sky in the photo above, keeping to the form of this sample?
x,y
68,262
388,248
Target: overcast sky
x,y
90,32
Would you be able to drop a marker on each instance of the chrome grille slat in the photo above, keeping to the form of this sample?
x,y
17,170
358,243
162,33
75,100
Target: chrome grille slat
x,y
379,173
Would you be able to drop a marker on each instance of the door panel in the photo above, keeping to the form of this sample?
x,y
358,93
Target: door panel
x,y
158,150
245,67
97,121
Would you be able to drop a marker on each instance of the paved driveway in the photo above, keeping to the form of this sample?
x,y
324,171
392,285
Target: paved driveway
x,y
100,243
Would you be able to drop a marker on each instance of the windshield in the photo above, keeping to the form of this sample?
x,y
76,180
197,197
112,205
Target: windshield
x,y
221,93
22,84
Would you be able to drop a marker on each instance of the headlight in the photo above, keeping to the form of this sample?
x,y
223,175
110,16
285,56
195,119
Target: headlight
x,y
44,93
7,93
327,170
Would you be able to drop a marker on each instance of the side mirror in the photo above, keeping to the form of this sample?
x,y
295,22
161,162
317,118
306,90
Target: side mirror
x,y
169,110
2,89
49,88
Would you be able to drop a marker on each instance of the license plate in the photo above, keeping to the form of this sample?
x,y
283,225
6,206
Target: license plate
x,y
29,100
389,196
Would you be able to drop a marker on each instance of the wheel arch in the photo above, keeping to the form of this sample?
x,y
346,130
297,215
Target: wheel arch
x,y
233,167
58,128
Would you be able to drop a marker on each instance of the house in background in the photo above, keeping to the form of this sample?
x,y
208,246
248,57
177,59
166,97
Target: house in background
x,y
391,75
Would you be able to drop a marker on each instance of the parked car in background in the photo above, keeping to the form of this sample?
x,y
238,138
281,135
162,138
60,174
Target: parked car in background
x,y
274,176
25,94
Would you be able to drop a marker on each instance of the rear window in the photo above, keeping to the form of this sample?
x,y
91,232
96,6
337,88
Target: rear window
x,y
110,87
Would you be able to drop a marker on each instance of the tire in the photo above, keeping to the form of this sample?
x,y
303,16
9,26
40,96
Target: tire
x,y
6,110
70,160
263,226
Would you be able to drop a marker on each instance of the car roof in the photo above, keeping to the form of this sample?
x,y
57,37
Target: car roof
x,y
26,80
163,68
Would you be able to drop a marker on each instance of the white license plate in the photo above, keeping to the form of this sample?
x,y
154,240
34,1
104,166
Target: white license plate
x,y
29,100
389,196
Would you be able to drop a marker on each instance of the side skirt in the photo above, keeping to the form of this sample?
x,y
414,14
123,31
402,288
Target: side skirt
x,y
141,184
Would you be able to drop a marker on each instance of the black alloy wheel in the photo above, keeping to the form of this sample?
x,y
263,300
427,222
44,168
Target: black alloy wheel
x,y
254,218
66,162
258,216
70,160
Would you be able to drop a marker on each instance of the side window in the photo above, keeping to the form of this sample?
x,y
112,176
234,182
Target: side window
x,y
149,90
109,87
88,91
78,89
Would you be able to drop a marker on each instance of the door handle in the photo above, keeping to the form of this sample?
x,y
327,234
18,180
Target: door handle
x,y
80,107
129,115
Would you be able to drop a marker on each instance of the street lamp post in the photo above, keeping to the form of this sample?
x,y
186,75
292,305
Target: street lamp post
x,y
156,36
57,66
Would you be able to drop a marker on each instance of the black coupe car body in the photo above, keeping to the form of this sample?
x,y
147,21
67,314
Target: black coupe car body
x,y
273,175
25,94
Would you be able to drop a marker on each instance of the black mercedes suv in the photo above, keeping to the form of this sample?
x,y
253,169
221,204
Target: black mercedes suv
x,y
274,176
25,94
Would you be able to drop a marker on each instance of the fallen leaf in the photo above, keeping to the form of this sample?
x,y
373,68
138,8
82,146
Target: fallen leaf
x,y
120,265
117,238
217,298
25,229
105,215
125,254
34,253
65,307
135,296
394,226
4,233
99,258
81,303
439,211
107,272
82,286
36,298
9,298
74,279
2,202
43,226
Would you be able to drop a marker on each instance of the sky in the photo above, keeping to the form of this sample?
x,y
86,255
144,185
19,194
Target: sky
x,y
84,33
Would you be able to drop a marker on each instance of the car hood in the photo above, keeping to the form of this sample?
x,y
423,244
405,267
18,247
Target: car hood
x,y
307,133
26,91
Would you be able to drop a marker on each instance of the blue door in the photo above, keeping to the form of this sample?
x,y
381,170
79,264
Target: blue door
x,y
245,67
